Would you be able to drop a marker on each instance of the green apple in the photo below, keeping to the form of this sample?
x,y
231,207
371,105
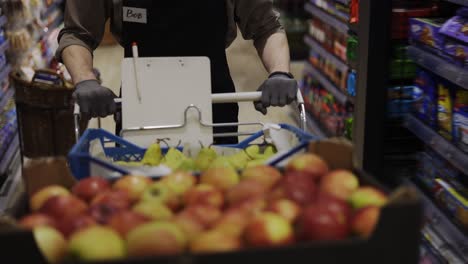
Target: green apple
x,y
96,243
180,181
160,192
367,196
51,243
222,178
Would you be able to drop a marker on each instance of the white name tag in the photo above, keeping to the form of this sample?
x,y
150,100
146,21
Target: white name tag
x,y
136,15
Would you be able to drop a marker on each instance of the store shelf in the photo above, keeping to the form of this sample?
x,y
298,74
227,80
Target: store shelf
x,y
327,18
5,72
344,2
312,126
446,149
439,66
451,243
329,86
460,2
313,44
3,20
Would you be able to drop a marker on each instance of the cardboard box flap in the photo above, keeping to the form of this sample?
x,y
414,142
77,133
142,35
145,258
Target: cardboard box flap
x,y
337,152
40,173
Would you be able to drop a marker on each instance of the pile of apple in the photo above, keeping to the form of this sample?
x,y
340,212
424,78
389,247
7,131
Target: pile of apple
x,y
219,211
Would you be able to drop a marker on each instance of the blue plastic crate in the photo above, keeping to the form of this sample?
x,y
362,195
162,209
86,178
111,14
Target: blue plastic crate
x,y
80,158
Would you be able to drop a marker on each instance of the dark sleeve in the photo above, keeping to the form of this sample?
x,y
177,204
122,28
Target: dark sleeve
x,y
257,19
84,24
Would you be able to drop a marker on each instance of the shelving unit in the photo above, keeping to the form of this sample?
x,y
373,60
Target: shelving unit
x,y
451,242
439,66
331,20
329,86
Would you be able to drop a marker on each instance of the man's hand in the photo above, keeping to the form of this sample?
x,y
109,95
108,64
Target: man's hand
x,y
94,100
278,90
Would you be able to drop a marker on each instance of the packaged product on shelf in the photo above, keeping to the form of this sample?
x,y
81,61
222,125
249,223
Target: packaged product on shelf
x,y
329,38
354,12
454,202
426,108
335,70
456,31
352,48
460,119
401,100
351,84
401,66
401,16
445,109
425,32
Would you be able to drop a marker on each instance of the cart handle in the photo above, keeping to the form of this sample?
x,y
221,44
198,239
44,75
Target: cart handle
x,y
217,99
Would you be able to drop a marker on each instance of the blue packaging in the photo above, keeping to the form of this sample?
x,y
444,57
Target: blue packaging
x,y
426,108
351,86
460,119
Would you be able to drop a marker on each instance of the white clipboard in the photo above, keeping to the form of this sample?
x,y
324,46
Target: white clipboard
x,y
167,86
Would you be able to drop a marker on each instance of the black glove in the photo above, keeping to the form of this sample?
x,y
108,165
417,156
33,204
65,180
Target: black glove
x,y
279,89
94,100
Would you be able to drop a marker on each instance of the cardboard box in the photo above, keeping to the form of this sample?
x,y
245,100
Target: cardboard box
x,y
396,239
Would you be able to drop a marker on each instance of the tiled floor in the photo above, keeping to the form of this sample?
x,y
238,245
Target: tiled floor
x,y
246,69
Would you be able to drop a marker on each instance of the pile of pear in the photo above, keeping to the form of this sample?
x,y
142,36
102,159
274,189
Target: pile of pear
x,y
206,158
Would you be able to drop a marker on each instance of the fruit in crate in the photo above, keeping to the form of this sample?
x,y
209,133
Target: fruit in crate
x,y
189,225
245,190
63,207
134,185
153,210
118,199
173,158
239,160
285,208
51,243
126,221
365,221
299,187
220,177
233,222
153,155
41,196
215,241
204,158
35,220
205,215
159,192
155,239
96,243
88,188
339,183
180,181
204,194
319,223
69,226
309,164
266,175
268,229
367,196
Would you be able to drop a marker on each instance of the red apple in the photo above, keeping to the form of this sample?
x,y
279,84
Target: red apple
x,y
180,181
367,196
233,222
204,194
300,188
61,207
320,223
252,206
220,177
268,229
134,185
117,198
308,163
34,220
339,207
156,239
215,241
339,183
102,212
286,208
189,225
42,195
245,190
88,188
277,193
126,221
365,220
205,215
72,225
266,175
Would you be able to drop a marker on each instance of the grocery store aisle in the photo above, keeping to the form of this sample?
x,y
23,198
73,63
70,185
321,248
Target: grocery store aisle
x,y
246,69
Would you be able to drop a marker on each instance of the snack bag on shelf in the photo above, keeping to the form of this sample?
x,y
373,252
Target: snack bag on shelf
x,y
426,108
460,119
445,109
456,31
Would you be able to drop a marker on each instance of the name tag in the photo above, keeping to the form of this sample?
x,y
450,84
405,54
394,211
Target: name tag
x,y
135,15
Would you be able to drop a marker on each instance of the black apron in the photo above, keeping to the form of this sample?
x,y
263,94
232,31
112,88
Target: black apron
x,y
185,28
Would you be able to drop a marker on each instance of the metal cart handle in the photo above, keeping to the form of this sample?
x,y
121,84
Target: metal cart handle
x,y
217,99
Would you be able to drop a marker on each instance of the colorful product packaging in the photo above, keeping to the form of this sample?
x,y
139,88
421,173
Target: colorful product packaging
x,y
456,31
445,109
425,32
426,108
454,202
460,119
